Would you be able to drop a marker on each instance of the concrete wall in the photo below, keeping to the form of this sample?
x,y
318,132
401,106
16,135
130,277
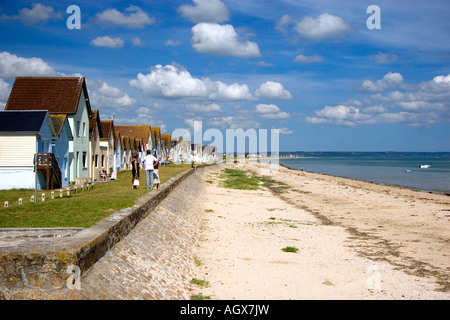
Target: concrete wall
x,y
42,264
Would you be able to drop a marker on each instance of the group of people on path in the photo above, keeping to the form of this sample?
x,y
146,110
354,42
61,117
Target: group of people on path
x,y
151,165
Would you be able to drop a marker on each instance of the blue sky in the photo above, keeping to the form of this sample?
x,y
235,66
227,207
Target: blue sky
x,y
312,69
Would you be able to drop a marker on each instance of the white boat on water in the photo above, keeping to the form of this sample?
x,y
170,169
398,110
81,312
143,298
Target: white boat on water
x,y
424,166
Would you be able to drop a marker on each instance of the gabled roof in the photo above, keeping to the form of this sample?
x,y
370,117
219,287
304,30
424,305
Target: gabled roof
x,y
107,129
24,121
125,142
156,134
58,121
141,131
167,138
94,120
55,94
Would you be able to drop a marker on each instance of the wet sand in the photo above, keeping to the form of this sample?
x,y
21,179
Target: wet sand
x,y
355,240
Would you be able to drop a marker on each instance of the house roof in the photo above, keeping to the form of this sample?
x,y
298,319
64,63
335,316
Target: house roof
x,y
22,121
55,94
141,131
58,123
156,133
125,142
107,128
167,138
94,120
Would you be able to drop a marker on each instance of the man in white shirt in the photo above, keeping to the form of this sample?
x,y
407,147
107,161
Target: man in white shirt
x,y
148,162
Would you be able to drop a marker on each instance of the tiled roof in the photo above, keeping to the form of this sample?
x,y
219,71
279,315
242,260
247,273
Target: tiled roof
x,y
106,127
55,94
58,122
167,138
125,142
141,131
156,134
93,121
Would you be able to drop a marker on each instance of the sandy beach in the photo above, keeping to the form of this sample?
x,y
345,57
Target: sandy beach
x,y
355,240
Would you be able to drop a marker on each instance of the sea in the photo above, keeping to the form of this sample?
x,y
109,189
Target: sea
x,y
390,168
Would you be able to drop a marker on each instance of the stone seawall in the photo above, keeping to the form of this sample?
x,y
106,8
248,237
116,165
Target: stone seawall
x,y
37,269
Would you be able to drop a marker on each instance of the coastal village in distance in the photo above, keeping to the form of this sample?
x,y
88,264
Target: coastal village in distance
x,y
51,118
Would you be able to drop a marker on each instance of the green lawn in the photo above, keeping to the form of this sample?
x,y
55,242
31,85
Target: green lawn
x,y
82,209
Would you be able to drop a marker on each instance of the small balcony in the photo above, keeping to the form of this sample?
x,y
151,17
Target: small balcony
x,y
47,162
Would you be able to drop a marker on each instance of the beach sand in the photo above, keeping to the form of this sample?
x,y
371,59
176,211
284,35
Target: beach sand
x,y
355,240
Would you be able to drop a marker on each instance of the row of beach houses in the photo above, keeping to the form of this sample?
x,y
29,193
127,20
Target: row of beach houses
x,y
50,137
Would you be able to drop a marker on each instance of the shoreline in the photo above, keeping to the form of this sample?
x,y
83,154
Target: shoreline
x,y
350,235
446,193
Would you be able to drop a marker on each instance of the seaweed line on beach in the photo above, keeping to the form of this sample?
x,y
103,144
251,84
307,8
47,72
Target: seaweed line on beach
x,y
368,245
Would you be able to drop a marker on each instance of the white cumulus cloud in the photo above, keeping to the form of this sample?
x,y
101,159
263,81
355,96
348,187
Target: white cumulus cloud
x,y
38,13
322,27
4,89
205,11
420,105
107,41
389,81
134,17
341,114
442,79
222,40
104,95
4,93
270,111
272,90
173,81
12,66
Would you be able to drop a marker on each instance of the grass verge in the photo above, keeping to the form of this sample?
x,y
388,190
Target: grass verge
x,y
239,179
82,209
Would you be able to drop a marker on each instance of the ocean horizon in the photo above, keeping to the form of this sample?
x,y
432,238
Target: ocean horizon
x,y
425,171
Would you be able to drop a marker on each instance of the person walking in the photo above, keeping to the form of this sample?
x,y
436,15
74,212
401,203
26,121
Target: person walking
x,y
156,180
148,162
135,171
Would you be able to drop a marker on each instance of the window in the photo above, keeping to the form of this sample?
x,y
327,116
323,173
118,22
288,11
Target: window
x,y
77,163
84,129
84,160
103,160
65,169
96,160
78,129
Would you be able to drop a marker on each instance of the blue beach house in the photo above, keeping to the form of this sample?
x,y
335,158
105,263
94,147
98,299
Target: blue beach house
x,y
62,96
